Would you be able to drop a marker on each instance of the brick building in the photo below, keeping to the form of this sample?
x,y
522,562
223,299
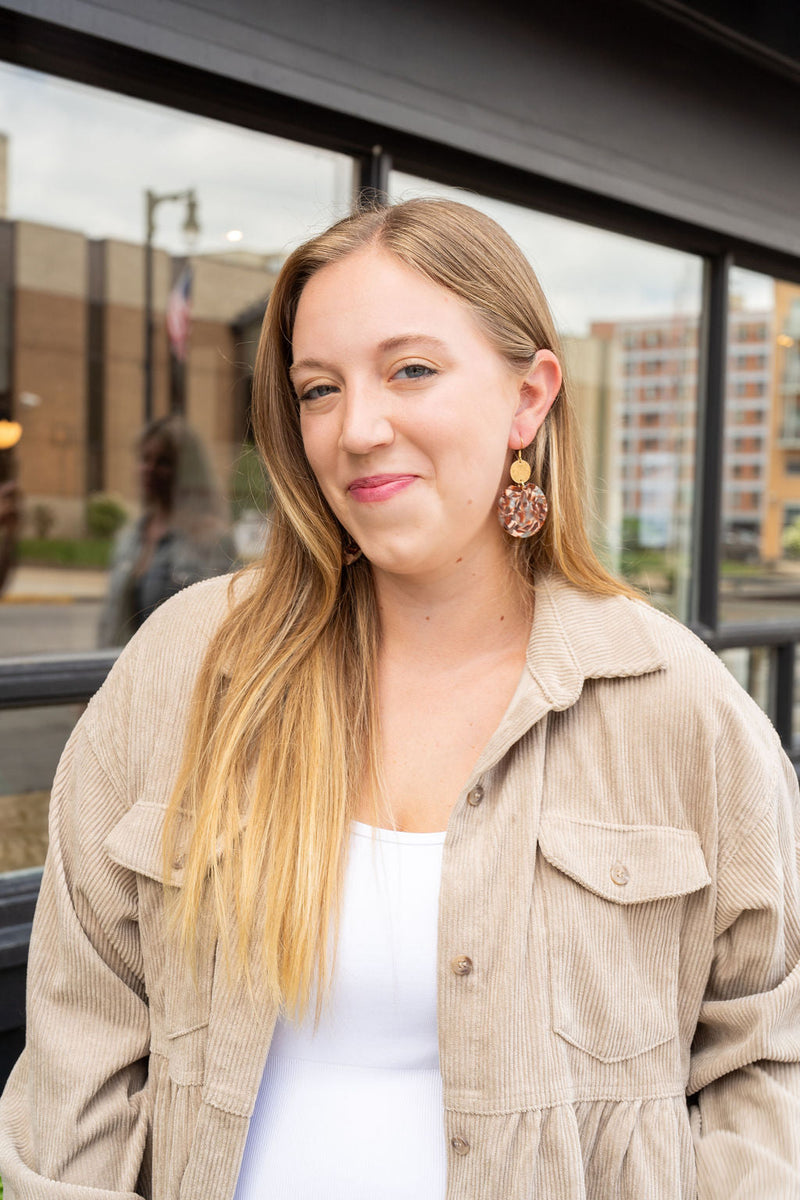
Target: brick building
x,y
72,354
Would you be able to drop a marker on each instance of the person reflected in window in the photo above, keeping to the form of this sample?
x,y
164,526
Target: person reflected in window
x,y
180,537
9,524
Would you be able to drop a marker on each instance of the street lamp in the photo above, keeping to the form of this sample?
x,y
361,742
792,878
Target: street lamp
x,y
191,227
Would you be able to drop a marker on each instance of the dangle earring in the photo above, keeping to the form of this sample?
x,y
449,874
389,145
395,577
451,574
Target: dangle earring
x,y
350,549
522,508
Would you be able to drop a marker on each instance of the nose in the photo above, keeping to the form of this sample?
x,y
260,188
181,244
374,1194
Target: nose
x,y
366,421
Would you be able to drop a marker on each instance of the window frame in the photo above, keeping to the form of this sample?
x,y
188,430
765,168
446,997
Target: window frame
x,y
82,58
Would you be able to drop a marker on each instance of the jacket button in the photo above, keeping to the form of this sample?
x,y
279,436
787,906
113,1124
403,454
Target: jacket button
x,y
461,965
619,874
475,795
459,1144
178,862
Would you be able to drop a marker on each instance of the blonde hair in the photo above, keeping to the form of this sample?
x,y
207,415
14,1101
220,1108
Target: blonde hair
x,y
283,733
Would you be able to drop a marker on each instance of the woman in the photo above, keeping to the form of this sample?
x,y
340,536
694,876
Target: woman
x,y
476,866
9,524
180,538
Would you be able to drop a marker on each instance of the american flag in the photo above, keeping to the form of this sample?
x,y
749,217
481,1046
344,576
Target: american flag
x,y
179,313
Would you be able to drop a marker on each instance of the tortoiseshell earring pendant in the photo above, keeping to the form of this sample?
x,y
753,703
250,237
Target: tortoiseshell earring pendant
x,y
522,508
350,549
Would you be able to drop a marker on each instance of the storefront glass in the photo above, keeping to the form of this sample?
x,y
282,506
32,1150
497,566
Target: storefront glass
x,y
628,314
760,548
119,216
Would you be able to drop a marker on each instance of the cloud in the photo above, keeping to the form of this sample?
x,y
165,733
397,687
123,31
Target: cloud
x,y
588,274
82,158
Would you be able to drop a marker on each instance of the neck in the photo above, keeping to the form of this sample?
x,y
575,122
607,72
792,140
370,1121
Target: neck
x,y
454,619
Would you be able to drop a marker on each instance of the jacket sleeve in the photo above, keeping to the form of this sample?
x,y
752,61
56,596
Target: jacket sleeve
x,y
745,1067
74,1117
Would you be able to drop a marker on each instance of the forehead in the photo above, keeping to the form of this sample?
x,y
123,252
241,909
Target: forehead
x,y
371,296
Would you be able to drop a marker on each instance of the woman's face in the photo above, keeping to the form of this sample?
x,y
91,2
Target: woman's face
x,y
157,467
407,413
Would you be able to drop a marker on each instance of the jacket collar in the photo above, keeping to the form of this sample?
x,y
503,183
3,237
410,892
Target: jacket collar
x,y
575,636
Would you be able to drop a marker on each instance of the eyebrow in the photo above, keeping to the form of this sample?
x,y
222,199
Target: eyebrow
x,y
385,347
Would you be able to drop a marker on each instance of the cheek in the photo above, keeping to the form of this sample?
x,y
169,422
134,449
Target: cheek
x,y
320,456
313,445
485,460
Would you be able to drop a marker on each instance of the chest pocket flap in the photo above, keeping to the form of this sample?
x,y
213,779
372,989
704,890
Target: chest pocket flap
x,y
136,842
627,864
614,897
179,989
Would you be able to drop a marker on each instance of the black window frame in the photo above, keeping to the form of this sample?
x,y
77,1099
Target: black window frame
x,y
40,45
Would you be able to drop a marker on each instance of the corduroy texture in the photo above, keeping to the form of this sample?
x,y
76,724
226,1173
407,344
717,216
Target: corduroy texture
x,y
627,890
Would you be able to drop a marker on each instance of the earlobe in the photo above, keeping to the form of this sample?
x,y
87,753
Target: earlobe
x,y
538,391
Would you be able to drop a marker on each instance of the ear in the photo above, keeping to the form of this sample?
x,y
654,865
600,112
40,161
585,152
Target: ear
x,y
538,390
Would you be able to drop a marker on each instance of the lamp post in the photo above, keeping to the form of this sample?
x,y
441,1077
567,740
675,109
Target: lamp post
x,y
191,228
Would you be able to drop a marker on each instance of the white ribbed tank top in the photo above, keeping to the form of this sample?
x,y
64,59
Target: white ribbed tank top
x,y
354,1111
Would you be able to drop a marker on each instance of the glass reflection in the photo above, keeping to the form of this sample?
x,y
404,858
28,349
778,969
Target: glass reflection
x,y
88,268
628,316
760,563
31,741
752,668
181,537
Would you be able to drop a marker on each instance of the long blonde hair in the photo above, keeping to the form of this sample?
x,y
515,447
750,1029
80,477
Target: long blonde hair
x,y
283,736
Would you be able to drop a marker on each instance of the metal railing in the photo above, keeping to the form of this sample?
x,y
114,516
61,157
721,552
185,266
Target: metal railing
x,y
53,679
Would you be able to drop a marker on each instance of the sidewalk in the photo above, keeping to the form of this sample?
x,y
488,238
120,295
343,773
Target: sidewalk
x,y
54,585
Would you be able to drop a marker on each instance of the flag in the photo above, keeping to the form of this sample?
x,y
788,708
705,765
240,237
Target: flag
x,y
179,313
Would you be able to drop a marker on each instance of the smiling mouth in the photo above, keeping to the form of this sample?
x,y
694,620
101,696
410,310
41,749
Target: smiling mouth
x,y
378,487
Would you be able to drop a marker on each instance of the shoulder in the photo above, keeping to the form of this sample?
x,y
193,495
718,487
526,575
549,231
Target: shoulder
x,y
142,707
176,636
662,678
191,617
656,696
696,703
616,637
696,671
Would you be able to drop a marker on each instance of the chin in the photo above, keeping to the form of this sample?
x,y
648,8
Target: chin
x,y
407,563
393,561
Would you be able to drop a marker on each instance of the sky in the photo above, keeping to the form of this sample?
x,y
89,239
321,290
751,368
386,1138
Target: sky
x,y
82,158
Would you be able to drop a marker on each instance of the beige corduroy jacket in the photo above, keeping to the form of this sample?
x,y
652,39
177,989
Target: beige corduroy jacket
x,y
621,869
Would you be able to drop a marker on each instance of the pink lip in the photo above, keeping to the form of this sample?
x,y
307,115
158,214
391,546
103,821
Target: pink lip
x,y
378,487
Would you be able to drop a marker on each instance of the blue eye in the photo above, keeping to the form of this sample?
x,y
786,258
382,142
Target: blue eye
x,y
317,393
415,371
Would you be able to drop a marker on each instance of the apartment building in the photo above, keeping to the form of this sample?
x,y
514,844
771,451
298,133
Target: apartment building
x,y
653,378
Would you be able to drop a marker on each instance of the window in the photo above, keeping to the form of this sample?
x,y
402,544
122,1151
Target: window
x,y
72,261
651,298
74,366
764,468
